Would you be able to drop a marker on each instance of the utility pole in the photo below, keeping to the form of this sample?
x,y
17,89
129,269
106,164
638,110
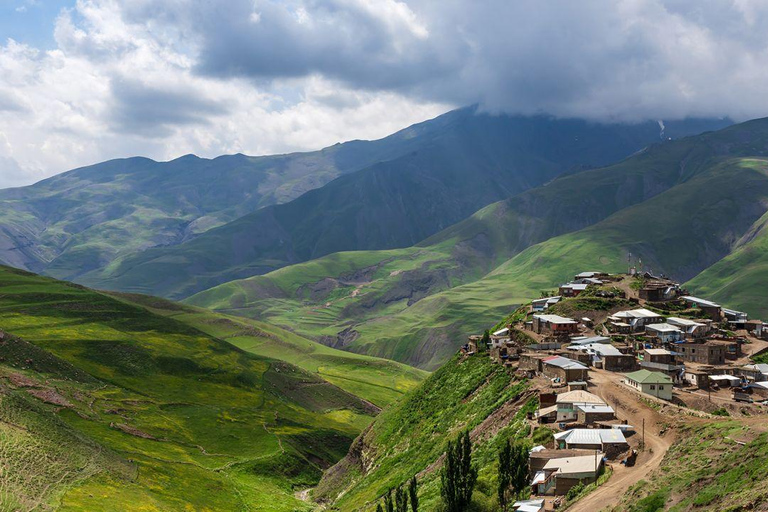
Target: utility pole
x,y
643,434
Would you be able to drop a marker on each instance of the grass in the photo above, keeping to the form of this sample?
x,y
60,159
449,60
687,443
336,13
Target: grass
x,y
706,470
155,414
407,438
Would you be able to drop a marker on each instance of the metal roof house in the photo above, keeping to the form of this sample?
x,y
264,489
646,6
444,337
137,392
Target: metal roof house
x,y
651,383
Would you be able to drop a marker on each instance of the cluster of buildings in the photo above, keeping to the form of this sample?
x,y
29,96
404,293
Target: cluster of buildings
x,y
658,337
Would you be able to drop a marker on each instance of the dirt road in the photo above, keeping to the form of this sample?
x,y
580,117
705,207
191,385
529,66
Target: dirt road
x,y
628,407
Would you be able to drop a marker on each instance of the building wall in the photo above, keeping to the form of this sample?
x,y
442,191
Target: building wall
x,y
658,390
623,363
585,418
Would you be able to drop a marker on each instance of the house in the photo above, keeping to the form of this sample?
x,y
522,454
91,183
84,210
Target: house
x,y
651,383
588,280
560,474
697,375
588,341
532,361
587,414
563,368
662,360
566,404
736,319
659,291
755,327
606,356
610,441
591,275
711,309
725,381
704,352
637,319
554,324
755,372
572,289
544,303
664,333
528,506
691,328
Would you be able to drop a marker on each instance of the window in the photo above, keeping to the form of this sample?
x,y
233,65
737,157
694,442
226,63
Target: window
x,y
661,388
653,387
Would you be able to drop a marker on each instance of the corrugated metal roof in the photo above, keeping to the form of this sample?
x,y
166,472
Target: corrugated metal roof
x,y
564,362
578,396
595,408
663,328
649,377
592,436
598,348
700,302
555,319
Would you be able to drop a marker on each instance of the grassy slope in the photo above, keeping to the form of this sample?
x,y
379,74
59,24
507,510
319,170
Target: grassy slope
x,y
159,415
740,280
707,470
407,438
680,206
378,381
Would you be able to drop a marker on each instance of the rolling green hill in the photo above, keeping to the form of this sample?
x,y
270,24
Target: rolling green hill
x,y
409,438
679,206
106,404
462,162
81,221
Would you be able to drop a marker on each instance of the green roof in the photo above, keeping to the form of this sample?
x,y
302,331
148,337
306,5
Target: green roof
x,y
649,377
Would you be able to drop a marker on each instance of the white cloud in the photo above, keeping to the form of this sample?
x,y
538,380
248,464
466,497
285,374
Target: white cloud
x,y
260,76
117,87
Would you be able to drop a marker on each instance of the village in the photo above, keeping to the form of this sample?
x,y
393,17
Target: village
x,y
604,342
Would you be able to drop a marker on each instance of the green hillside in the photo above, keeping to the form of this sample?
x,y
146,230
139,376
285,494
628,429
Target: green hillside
x,y
679,206
740,280
80,222
409,438
106,405
463,161
706,470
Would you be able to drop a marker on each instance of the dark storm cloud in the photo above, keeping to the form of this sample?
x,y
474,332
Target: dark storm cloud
x,y
622,59
149,111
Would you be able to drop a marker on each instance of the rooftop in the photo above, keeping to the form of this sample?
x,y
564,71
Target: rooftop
x,y
658,352
603,349
580,464
564,362
595,408
685,322
578,397
662,328
591,339
591,436
636,313
649,377
700,302
555,319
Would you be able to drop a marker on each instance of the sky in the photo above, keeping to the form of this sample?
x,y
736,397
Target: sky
x,y
82,81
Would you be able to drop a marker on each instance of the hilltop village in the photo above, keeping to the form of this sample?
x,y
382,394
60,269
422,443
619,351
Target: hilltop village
x,y
603,342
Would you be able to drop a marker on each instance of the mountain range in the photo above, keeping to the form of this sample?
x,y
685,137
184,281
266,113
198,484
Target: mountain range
x,y
176,228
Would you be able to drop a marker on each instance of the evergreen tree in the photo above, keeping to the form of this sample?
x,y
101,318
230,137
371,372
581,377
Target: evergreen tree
x,y
484,341
412,493
505,475
459,475
401,500
513,472
389,506
378,508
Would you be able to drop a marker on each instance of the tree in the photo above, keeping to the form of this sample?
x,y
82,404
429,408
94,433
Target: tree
x,y
458,477
388,504
505,475
513,472
401,500
378,508
412,493
484,341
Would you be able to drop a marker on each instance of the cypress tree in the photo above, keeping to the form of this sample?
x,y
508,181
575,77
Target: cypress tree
x,y
388,505
459,475
505,475
378,508
412,493
401,500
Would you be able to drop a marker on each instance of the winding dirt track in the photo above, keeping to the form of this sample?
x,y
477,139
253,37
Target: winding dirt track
x,y
628,407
